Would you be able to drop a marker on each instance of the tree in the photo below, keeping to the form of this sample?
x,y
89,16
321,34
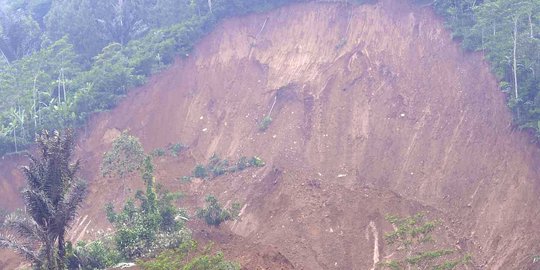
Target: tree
x,y
52,197
75,19
148,222
19,33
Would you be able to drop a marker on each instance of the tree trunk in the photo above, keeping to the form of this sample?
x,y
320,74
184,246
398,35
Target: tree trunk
x,y
514,64
51,260
61,249
531,25
5,58
35,97
15,138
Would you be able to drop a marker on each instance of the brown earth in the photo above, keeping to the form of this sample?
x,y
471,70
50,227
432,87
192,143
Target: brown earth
x,y
375,111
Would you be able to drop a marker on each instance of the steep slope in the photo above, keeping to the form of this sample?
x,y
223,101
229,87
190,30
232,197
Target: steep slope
x,y
375,111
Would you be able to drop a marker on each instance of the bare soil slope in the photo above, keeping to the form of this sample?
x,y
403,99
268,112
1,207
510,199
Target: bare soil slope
x,y
375,111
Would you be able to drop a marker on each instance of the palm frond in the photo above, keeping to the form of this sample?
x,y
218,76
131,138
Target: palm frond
x,y
38,206
27,251
67,209
25,227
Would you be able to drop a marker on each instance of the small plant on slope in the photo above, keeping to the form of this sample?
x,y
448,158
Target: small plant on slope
x,y
414,246
217,166
125,156
265,123
213,214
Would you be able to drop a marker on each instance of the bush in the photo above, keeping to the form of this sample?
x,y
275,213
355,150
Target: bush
x,y
200,171
217,166
176,148
209,262
125,156
214,214
158,152
256,162
99,254
177,259
152,225
265,123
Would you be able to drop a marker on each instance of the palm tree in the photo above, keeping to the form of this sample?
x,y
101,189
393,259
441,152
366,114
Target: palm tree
x,y
52,198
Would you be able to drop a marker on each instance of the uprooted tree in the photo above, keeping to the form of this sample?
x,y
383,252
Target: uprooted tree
x,y
52,197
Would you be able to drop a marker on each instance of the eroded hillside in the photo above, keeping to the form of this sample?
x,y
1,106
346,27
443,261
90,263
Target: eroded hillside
x,y
375,111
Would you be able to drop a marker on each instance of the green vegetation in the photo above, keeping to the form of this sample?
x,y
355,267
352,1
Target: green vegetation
x,y
158,152
213,214
211,262
151,225
265,123
200,171
125,157
149,228
217,166
175,259
413,242
508,32
98,254
342,42
176,149
3,214
52,197
410,230
62,60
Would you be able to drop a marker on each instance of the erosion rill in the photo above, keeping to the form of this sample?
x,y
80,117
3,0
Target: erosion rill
x,y
375,111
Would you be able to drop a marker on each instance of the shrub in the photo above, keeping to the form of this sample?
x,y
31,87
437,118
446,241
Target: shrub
x,y
217,166
265,123
176,148
209,262
125,156
158,152
213,214
256,162
99,254
150,226
242,163
169,259
200,171
178,259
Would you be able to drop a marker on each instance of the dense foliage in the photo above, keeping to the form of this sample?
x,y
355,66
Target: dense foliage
x,y
508,32
62,60
52,198
177,259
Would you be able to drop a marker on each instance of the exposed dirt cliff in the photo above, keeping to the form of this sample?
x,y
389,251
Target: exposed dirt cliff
x,y
375,111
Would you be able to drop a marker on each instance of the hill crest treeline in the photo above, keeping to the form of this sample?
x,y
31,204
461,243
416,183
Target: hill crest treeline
x,y
62,60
